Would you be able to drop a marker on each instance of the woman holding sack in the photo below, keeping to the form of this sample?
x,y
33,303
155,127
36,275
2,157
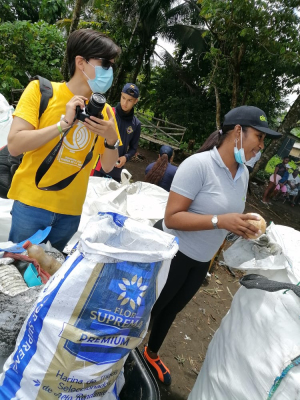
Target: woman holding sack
x,y
207,199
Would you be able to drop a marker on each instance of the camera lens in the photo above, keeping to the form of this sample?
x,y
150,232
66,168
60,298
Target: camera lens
x,y
98,99
96,105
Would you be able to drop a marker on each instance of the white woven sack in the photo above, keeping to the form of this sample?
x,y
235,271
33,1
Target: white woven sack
x,y
259,338
90,314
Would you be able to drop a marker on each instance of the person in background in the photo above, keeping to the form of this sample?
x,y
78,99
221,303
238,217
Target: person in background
x,y
250,164
281,187
161,172
274,179
293,184
129,128
91,56
206,200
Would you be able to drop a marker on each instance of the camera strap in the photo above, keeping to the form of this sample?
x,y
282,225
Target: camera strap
x,y
46,164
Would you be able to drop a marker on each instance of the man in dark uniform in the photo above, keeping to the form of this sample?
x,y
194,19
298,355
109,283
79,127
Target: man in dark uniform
x,y
129,128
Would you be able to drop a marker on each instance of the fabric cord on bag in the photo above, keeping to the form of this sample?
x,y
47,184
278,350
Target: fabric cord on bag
x,y
295,362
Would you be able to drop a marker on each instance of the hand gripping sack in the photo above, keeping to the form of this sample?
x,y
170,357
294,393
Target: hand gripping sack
x,y
91,313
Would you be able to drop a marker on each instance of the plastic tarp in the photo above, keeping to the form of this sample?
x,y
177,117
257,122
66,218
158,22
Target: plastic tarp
x,y
255,352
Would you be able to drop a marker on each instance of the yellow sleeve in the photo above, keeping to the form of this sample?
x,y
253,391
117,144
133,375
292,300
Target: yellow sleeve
x,y
29,104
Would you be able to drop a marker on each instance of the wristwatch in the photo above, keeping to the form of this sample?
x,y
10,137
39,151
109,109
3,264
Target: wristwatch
x,y
214,221
114,147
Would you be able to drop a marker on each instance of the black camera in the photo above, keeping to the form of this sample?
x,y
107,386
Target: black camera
x,y
93,108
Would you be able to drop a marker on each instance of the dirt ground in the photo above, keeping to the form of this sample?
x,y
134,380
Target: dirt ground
x,y
186,344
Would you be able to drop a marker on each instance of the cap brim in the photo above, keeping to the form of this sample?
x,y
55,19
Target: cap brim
x,y
269,132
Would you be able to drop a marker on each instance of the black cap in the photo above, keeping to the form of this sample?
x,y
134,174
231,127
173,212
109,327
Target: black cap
x,y
250,116
132,90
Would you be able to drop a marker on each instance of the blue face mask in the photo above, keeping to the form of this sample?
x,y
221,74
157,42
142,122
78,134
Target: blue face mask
x,y
239,155
102,81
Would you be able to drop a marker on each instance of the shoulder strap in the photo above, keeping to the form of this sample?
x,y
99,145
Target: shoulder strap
x,y
46,91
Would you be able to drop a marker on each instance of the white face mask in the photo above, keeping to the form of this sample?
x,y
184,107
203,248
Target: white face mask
x,y
102,81
239,155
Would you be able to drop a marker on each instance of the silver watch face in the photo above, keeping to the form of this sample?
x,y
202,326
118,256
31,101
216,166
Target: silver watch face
x,y
214,220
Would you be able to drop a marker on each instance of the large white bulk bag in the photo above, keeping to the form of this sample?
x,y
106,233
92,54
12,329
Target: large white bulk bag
x,y
255,353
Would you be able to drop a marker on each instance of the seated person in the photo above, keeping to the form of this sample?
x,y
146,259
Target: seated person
x,y
293,185
161,172
281,186
275,178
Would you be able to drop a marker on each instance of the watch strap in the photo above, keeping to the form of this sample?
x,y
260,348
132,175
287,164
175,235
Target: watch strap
x,y
215,224
111,147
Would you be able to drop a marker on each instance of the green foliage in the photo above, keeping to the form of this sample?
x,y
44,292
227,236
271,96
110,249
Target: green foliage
x,y
254,52
32,10
52,10
270,167
263,175
37,48
143,143
185,145
12,10
172,94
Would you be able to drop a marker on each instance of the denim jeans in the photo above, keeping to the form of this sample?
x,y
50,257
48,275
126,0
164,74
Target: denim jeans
x,y
26,220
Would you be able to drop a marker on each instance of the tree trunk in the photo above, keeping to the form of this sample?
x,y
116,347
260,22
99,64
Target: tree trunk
x,y
288,123
235,89
73,27
218,108
114,90
138,66
236,62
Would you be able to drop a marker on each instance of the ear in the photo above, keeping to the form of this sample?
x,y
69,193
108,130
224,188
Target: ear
x,y
79,62
136,100
237,132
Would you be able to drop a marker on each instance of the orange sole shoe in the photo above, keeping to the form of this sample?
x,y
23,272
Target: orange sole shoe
x,y
162,371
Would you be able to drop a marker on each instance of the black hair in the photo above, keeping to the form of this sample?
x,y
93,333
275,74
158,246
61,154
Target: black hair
x,y
158,170
217,138
89,44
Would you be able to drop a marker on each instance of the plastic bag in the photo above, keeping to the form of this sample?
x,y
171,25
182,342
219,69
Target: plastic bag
x,y
5,218
90,314
5,120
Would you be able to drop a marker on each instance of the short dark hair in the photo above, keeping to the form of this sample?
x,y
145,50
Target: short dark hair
x,y
90,44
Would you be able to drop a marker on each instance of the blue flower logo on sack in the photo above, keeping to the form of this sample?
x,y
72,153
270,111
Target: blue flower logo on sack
x,y
129,130
112,320
132,286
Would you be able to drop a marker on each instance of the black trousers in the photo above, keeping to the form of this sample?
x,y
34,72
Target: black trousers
x,y
185,278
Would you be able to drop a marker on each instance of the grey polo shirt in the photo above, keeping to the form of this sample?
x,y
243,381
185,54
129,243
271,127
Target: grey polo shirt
x,y
205,179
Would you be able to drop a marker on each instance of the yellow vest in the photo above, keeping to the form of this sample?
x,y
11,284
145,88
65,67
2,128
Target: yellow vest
x,y
69,160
